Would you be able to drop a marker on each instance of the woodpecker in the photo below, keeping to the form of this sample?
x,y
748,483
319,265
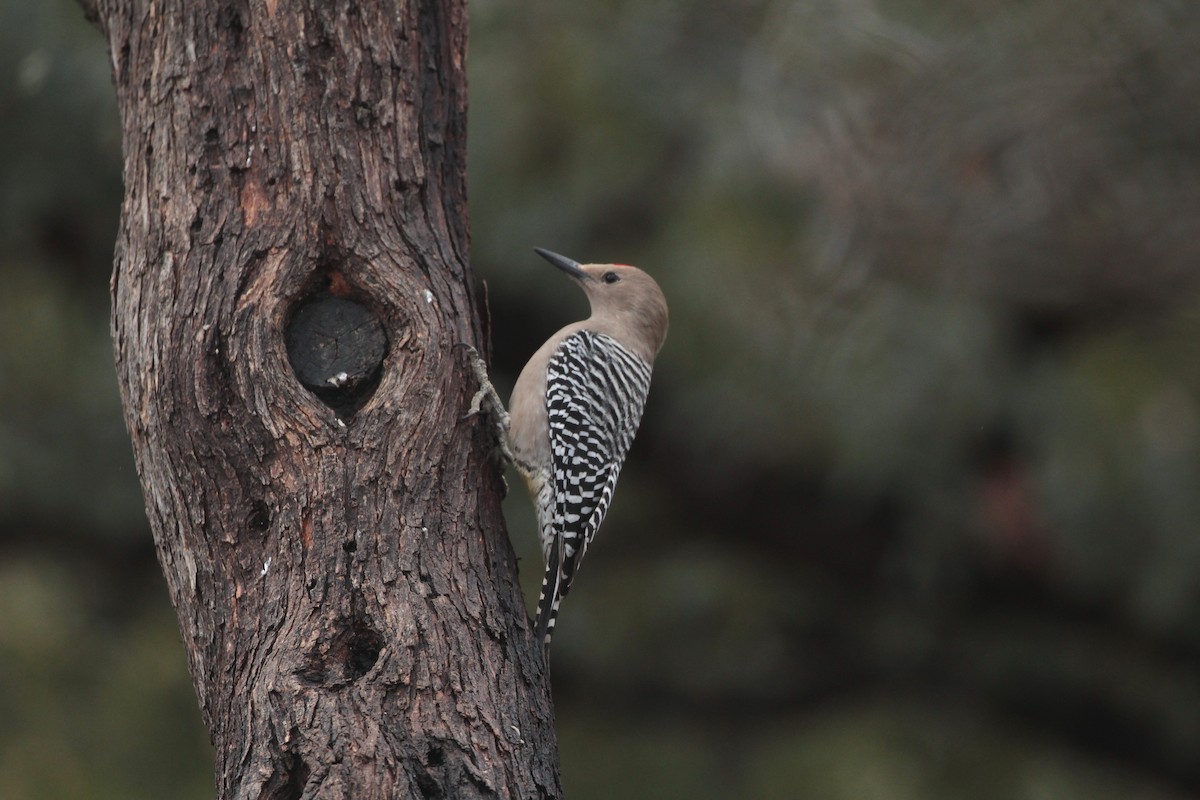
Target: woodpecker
x,y
574,411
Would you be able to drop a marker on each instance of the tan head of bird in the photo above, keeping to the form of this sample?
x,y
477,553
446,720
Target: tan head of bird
x,y
622,297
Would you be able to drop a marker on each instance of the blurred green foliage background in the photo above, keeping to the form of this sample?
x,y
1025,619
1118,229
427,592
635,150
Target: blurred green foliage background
x,y
913,512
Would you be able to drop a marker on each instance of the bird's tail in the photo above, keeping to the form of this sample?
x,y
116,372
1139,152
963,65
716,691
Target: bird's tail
x,y
549,599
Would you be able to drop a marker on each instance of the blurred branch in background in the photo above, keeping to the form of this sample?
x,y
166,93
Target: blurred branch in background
x,y
913,508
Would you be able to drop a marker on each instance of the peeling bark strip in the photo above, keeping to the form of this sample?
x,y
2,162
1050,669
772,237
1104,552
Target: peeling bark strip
x,y
295,206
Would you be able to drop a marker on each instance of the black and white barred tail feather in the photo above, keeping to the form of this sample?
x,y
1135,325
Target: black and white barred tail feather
x,y
547,612
595,392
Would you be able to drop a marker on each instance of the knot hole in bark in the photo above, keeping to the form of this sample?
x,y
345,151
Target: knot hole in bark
x,y
344,656
336,346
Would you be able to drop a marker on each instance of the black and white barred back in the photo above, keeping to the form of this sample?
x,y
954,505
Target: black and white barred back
x,y
595,393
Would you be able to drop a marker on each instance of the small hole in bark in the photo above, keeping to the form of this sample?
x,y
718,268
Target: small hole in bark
x,y
288,780
297,779
259,518
345,656
435,757
365,645
350,546
229,19
428,786
336,347
211,135
323,49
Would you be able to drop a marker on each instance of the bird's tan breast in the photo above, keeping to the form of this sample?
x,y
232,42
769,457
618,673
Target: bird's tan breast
x,y
529,427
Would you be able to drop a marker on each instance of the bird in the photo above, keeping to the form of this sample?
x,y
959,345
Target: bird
x,y
574,411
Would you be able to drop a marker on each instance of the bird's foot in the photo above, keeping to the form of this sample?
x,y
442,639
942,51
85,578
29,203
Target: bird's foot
x,y
487,394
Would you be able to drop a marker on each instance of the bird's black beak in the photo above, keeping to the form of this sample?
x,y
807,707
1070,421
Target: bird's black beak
x,y
562,262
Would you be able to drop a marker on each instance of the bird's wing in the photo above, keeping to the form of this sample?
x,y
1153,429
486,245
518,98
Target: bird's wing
x,y
595,392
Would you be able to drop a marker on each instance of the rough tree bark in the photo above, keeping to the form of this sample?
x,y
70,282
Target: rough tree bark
x,y
295,216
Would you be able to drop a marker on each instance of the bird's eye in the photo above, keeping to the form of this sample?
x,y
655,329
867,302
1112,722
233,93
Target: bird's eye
x,y
611,277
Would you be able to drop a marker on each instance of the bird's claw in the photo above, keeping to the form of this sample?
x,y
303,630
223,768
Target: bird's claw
x,y
487,392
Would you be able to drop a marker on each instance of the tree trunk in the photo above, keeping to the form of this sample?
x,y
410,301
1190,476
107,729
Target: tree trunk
x,y
290,285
